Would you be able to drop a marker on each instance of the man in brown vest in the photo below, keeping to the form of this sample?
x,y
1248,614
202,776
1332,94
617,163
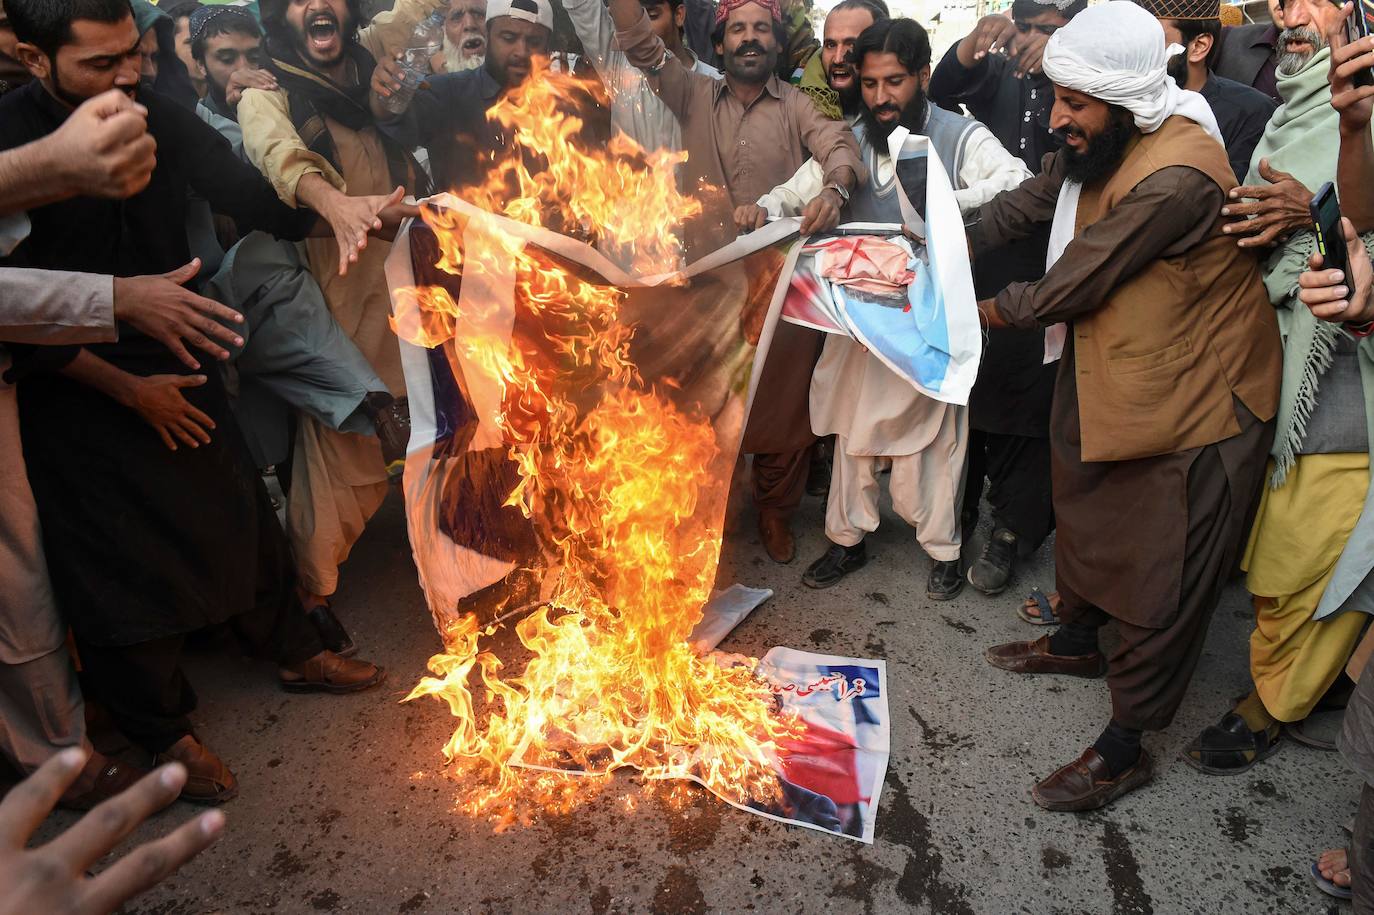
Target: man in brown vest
x,y
1167,388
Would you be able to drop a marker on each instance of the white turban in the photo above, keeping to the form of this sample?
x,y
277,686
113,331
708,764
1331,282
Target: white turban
x,y
1115,52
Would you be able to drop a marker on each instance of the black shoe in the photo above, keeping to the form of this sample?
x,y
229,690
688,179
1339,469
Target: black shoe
x,y
392,419
332,632
945,581
837,562
992,571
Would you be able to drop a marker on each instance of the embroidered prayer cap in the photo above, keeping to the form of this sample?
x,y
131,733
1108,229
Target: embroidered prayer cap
x,y
724,7
1184,10
1060,5
1115,53
536,11
203,16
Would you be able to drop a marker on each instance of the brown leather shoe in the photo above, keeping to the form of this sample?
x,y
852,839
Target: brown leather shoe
x,y
208,779
776,534
326,672
1087,784
101,779
1035,658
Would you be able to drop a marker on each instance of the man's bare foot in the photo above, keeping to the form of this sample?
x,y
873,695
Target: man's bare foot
x,y
1334,865
1031,609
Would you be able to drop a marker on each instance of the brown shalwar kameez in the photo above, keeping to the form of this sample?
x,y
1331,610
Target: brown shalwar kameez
x,y
736,153
1148,542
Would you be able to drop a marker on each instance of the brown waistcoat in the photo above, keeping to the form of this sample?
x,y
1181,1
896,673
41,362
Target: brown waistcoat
x,y
1158,363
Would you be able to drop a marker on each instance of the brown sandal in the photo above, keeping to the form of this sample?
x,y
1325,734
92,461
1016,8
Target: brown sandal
x,y
326,672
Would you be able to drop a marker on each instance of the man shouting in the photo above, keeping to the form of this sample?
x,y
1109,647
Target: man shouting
x,y
1167,389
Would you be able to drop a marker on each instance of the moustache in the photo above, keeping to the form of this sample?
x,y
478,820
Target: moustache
x,y
1302,33
886,108
746,47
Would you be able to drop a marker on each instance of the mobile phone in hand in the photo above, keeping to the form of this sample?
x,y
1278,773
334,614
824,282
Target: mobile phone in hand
x,y
1326,217
1359,25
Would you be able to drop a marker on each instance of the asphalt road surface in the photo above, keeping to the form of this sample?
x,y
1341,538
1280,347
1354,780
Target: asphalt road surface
x,y
342,806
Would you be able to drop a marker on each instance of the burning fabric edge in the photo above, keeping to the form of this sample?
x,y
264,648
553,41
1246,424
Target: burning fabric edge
x,y
613,682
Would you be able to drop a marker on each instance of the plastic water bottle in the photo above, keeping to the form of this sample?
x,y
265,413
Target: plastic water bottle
x,y
427,41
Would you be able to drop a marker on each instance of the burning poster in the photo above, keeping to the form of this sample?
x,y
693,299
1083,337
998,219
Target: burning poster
x,y
577,402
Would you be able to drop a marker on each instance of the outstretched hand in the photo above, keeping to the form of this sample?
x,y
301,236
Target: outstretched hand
x,y
354,218
162,308
158,399
52,877
1280,208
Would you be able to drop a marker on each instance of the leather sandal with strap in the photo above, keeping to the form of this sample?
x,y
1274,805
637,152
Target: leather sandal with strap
x,y
208,779
1229,747
101,779
326,672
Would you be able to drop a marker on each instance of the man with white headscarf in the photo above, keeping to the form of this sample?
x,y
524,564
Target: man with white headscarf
x,y
1167,387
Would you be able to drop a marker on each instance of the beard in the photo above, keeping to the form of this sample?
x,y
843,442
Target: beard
x,y
457,58
342,34
1290,62
851,100
75,100
912,117
1178,69
743,70
1104,152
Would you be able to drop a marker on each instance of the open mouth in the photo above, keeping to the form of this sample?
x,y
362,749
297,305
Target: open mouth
x,y
473,44
323,32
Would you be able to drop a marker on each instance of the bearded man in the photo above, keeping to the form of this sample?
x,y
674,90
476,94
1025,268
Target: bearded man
x,y
1307,561
227,52
1167,389
465,37
873,412
829,75
448,115
155,522
743,135
313,137
635,109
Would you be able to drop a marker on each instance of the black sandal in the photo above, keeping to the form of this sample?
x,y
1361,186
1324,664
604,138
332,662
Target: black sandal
x,y
1229,747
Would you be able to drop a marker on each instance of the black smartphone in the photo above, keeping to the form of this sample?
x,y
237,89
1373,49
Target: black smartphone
x,y
1326,216
1359,25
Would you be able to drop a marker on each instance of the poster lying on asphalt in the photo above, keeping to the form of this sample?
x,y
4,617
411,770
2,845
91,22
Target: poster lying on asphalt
x,y
833,773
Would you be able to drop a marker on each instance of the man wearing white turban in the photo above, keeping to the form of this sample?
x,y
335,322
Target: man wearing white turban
x,y
1167,388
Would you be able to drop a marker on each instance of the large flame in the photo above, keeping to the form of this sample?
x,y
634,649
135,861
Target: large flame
x,y
622,485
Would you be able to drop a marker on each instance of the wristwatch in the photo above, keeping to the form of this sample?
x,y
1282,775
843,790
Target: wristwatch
x,y
844,195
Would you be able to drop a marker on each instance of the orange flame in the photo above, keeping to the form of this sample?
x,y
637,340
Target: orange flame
x,y
624,487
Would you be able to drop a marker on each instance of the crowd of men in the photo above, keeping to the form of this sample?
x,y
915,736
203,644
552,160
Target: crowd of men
x,y
1172,382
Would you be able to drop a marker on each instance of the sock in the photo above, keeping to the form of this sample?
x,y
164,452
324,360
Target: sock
x,y
1119,747
1074,640
1257,717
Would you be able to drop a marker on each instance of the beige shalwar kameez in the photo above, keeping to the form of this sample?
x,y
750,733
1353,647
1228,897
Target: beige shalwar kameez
x,y
338,479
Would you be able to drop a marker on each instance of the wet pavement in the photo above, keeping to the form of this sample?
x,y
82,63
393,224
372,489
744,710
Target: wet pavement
x,y
342,808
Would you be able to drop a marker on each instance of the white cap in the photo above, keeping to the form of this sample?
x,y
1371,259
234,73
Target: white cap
x,y
536,11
